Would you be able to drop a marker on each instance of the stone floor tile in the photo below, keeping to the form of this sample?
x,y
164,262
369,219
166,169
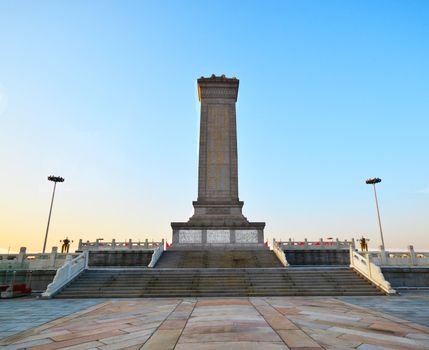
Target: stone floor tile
x,y
313,324
222,302
162,340
126,343
239,318
131,329
173,324
372,347
330,316
297,339
280,322
84,346
43,335
28,344
418,326
260,334
232,346
331,342
74,341
112,338
379,336
133,347
418,336
97,333
382,343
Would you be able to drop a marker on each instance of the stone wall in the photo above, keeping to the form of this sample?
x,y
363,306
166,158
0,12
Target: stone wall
x,y
318,257
411,277
133,258
39,279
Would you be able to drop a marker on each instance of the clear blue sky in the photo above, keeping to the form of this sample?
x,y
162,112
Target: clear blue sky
x,y
104,94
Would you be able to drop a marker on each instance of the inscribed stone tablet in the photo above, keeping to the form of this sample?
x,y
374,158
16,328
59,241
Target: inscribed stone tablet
x,y
218,236
190,236
246,236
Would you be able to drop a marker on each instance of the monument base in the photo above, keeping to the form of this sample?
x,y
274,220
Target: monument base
x,y
191,236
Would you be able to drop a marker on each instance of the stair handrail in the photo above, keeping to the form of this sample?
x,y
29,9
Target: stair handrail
x,y
156,254
371,271
280,253
71,269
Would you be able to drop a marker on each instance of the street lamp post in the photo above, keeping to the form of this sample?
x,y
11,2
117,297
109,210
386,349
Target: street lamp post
x,y
374,181
55,179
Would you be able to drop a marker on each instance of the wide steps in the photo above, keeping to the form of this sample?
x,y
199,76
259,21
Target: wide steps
x,y
123,283
218,259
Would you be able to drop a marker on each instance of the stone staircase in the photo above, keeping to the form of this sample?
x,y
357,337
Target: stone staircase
x,y
218,282
218,259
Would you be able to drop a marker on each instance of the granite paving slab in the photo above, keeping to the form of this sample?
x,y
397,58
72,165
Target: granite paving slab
x,y
17,315
296,323
410,305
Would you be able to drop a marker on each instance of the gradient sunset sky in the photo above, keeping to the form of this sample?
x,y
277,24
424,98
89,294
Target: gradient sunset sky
x,y
104,94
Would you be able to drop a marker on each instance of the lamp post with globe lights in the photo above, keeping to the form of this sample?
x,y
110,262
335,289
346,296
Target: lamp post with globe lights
x,y
54,179
374,181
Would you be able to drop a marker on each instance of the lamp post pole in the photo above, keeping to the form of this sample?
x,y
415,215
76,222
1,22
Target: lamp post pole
x,y
55,179
373,182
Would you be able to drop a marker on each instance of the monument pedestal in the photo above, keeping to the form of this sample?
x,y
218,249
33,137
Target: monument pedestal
x,y
189,236
218,221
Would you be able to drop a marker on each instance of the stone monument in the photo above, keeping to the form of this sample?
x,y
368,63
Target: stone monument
x,y
218,220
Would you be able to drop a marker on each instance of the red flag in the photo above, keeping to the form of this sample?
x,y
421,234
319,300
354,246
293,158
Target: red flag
x,y
266,243
167,245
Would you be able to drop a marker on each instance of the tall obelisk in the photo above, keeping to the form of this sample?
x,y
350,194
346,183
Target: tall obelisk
x,y
218,219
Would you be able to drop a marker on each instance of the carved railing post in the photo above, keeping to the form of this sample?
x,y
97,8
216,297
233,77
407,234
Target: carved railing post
x,y
69,258
86,259
80,244
21,255
383,256
53,256
413,256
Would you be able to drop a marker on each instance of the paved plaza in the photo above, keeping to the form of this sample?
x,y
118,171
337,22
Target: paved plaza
x,y
217,323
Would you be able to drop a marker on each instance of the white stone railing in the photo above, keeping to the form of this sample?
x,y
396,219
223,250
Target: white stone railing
x,y
29,261
315,245
280,253
408,258
72,268
364,265
156,255
113,245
